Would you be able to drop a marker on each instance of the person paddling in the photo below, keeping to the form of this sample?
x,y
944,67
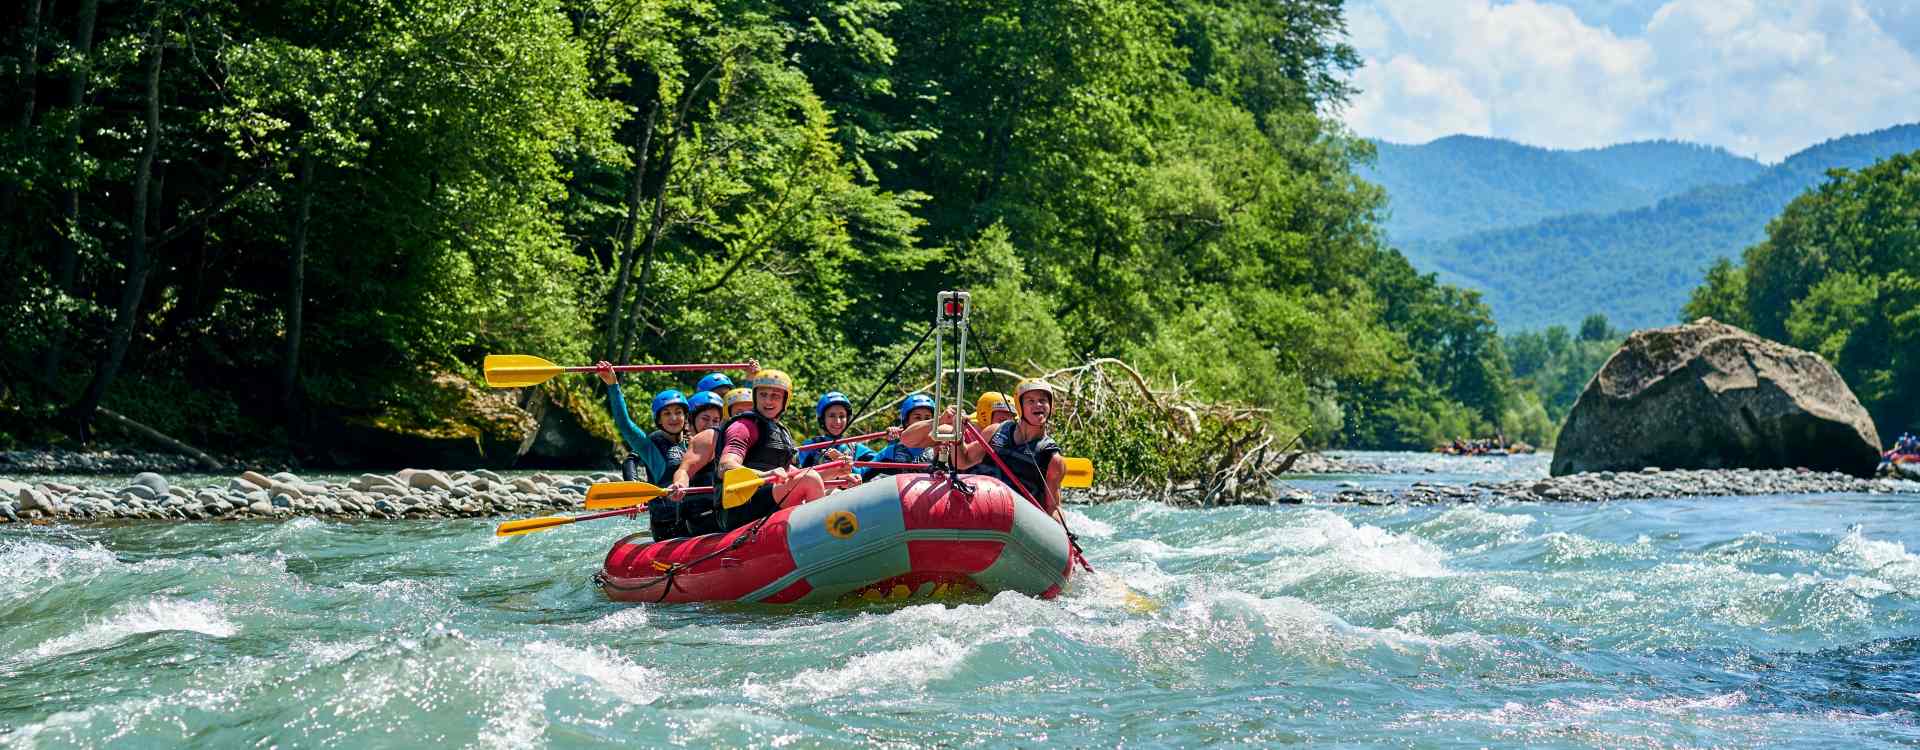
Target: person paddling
x,y
1023,446
755,439
915,409
648,450
834,412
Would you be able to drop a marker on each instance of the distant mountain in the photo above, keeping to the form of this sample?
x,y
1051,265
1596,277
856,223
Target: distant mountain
x,y
1637,266
1463,184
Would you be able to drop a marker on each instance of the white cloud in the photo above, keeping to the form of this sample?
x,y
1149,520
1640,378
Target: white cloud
x,y
1764,78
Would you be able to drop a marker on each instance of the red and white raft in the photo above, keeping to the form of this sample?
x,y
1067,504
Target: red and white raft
x,y
897,537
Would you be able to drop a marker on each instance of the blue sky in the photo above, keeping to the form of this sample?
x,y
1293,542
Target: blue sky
x,y
1763,78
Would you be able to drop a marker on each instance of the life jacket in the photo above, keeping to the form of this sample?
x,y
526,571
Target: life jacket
x,y
774,449
1027,461
695,514
671,451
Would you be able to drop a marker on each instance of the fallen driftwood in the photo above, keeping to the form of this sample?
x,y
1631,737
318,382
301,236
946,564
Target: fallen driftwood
x,y
161,438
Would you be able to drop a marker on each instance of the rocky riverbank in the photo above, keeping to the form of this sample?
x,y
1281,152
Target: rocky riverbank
x,y
410,493
93,462
425,494
1647,484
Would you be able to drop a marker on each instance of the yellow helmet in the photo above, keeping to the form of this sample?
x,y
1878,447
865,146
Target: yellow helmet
x,y
989,402
771,379
1033,384
739,396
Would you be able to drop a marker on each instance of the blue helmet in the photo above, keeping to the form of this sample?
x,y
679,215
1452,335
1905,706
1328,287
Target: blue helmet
x,y
914,401
666,398
714,382
828,399
702,400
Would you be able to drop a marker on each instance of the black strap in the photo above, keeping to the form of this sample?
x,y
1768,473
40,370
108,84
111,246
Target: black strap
x,y
895,374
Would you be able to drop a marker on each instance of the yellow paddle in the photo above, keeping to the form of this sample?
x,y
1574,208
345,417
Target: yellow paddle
x,y
1079,472
523,370
530,525
604,495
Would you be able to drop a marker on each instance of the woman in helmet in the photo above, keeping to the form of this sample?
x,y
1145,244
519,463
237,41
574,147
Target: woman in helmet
x,y
717,383
657,451
698,513
991,409
739,401
834,413
755,439
913,410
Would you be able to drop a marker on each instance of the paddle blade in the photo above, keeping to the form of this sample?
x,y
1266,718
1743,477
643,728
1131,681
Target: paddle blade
x,y
518,370
1079,472
741,483
530,525
609,495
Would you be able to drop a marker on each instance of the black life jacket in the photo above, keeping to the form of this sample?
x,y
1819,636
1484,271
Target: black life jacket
x,y
774,449
705,476
671,451
1027,461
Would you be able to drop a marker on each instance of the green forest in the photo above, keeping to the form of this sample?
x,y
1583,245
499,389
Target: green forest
x,y
1637,266
244,223
1839,274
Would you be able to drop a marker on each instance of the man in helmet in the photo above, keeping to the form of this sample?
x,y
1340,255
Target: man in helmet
x,y
834,413
1023,446
755,439
914,409
658,451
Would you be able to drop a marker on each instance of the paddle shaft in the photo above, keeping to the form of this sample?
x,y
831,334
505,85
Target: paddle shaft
x,y
842,441
662,368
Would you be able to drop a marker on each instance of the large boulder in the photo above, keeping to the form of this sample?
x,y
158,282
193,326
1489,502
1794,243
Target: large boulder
x,y
565,436
1707,395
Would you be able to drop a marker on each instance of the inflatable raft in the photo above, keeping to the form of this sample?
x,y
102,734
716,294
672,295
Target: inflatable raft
x,y
1907,467
907,535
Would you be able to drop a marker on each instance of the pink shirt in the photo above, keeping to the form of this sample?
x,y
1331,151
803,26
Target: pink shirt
x,y
739,436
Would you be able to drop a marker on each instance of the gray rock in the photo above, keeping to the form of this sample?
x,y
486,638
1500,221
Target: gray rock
x,y
286,477
429,479
462,492
261,507
32,499
256,479
285,488
140,491
151,481
526,485
487,475
258,496
282,500
7,511
10,488
1706,395
242,486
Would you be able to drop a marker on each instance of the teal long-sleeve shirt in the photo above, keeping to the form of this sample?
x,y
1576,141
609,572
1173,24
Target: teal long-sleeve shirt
x,y
637,441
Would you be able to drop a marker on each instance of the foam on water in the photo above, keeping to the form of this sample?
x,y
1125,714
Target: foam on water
x,y
149,616
1731,623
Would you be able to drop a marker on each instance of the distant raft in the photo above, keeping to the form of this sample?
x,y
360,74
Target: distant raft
x,y
897,537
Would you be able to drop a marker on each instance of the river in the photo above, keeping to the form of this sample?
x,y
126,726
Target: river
x,y
1675,623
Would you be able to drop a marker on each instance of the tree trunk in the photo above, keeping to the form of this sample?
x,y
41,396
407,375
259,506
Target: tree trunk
x,y
296,289
68,264
137,266
634,199
29,65
655,227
